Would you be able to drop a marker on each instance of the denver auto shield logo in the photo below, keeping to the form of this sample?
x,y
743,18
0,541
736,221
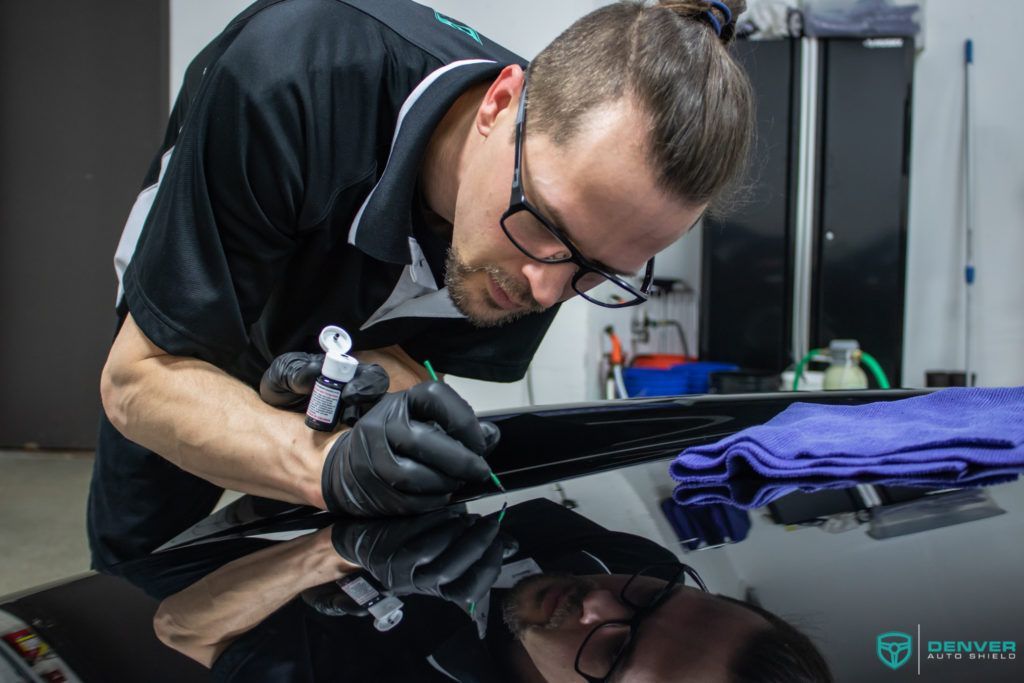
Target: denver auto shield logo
x,y
893,648
458,27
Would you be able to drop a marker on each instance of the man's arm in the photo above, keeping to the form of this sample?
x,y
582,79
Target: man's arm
x,y
209,423
403,370
214,426
202,620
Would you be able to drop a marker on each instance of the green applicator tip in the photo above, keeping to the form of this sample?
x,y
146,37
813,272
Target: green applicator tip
x,y
430,369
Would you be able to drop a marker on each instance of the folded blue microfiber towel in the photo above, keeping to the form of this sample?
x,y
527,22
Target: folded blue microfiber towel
x,y
949,435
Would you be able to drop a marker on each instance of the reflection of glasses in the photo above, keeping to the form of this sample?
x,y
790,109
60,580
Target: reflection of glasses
x,y
609,643
536,237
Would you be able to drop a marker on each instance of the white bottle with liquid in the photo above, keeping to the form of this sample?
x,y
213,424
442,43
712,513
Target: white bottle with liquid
x,y
845,371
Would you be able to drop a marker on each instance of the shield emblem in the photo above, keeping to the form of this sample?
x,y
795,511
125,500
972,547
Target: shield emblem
x,y
893,648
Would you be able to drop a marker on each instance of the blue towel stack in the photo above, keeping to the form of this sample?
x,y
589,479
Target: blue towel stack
x,y
952,437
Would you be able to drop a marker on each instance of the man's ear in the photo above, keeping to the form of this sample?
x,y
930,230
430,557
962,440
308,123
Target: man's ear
x,y
501,99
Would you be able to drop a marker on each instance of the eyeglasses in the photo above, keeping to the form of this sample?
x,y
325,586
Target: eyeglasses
x,y
609,644
537,238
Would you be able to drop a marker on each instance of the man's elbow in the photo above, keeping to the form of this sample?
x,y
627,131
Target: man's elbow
x,y
115,390
123,374
178,637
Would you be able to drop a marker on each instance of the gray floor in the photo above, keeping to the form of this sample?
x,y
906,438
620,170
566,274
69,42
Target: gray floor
x,y
42,517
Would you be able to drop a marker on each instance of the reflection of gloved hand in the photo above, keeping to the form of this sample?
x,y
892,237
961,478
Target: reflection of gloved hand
x,y
331,601
407,454
289,381
447,554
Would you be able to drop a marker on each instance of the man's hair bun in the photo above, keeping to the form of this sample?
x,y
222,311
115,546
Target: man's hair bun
x,y
723,23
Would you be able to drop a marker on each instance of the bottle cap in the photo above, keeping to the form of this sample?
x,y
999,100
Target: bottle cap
x,y
387,613
338,365
843,350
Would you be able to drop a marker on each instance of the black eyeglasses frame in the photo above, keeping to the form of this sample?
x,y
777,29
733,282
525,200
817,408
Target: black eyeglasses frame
x,y
640,612
584,266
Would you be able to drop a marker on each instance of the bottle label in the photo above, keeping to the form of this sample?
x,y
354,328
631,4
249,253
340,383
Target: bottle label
x,y
360,590
323,404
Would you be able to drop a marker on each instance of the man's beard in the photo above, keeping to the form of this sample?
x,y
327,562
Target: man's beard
x,y
572,604
456,276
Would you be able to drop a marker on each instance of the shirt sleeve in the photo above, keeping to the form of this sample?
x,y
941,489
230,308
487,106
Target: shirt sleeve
x,y
223,223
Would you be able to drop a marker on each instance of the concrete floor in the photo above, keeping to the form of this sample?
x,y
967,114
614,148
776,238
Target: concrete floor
x,y
42,517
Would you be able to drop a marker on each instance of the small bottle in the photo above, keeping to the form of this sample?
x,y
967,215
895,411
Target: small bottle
x,y
363,590
844,372
339,368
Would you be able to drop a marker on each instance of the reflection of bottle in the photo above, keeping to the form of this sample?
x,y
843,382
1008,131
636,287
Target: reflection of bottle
x,y
386,610
844,372
339,368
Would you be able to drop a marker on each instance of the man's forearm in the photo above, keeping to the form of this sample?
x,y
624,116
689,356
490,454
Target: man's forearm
x,y
202,620
403,371
210,424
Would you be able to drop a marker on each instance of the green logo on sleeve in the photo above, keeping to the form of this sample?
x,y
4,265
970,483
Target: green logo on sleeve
x,y
460,27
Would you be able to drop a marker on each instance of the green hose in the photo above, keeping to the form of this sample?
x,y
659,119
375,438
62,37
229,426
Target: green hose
x,y
865,357
798,373
875,369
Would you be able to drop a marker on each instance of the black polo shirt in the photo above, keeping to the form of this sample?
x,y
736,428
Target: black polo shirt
x,y
284,196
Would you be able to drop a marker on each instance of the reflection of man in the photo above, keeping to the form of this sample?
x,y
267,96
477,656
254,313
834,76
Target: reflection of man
x,y
643,627
604,606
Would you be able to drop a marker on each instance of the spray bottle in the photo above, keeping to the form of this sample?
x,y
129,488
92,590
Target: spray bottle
x,y
339,368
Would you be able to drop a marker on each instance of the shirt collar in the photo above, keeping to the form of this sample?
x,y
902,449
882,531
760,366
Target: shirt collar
x,y
383,225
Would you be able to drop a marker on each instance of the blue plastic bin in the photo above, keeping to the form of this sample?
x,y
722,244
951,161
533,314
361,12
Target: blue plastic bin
x,y
688,378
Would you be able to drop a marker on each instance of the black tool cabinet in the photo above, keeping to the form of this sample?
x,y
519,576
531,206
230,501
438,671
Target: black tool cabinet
x,y
856,187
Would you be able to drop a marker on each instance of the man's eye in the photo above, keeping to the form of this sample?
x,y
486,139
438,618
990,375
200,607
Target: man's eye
x,y
615,642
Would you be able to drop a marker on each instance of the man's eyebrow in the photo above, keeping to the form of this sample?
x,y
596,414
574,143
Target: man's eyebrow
x,y
555,218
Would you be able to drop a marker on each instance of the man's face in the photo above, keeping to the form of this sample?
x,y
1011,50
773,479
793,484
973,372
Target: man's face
x,y
689,637
597,188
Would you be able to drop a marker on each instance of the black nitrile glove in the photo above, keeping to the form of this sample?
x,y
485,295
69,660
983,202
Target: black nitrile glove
x,y
447,554
407,454
289,381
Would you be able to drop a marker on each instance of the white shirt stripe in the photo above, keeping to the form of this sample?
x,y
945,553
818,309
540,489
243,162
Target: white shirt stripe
x,y
133,226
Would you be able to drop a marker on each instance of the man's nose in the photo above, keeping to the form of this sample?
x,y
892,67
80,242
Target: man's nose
x,y
603,605
549,282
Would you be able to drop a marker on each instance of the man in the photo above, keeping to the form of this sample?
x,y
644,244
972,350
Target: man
x,y
336,162
595,605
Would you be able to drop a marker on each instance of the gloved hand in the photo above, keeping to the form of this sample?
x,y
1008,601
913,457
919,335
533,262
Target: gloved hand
x,y
447,554
407,454
289,381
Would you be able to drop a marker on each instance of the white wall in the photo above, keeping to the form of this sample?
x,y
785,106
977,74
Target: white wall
x,y
194,23
935,290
